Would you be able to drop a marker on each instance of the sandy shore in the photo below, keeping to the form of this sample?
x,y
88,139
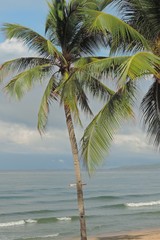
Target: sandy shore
x,y
134,235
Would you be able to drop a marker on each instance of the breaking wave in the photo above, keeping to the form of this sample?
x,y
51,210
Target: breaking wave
x,y
143,204
64,219
17,223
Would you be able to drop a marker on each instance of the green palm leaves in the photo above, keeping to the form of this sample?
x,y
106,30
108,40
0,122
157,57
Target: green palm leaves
x,y
47,98
151,113
138,65
99,134
122,38
137,13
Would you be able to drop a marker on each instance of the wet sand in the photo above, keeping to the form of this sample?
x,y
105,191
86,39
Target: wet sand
x,y
133,235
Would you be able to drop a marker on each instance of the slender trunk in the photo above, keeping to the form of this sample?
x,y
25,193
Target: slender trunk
x,y
77,172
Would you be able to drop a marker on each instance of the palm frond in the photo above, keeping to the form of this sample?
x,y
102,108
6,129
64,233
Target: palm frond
x,y
150,107
98,67
57,22
97,89
124,37
15,66
24,81
68,96
92,4
139,12
32,39
82,99
98,136
88,72
103,4
138,65
47,98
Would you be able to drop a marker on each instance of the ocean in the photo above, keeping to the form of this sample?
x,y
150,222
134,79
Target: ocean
x,y
41,205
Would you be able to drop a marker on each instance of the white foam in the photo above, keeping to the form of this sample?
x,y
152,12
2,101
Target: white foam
x,y
17,223
64,219
49,236
53,235
30,221
11,224
143,204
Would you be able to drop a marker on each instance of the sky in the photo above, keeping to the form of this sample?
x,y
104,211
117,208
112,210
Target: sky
x,y
21,146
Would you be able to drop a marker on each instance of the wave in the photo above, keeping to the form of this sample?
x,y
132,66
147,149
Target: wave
x,y
13,197
17,223
30,212
11,224
30,221
143,204
103,198
134,205
120,205
40,237
64,219
56,219
38,221
142,195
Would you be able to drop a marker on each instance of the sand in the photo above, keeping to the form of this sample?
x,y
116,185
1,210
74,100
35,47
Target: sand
x,y
134,235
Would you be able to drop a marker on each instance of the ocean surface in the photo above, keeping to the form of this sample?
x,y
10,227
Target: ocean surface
x,y
42,205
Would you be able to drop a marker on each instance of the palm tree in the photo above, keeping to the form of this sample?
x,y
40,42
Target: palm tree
x,y
136,13
74,31
144,15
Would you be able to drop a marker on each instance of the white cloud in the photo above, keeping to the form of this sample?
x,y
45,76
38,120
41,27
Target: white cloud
x,y
133,141
10,49
21,139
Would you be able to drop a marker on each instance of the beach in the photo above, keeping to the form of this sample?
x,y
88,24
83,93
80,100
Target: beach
x,y
153,234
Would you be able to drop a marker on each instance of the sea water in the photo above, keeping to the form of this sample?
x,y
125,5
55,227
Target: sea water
x,y
42,205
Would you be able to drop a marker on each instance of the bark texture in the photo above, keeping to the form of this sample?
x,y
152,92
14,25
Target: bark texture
x,y
79,185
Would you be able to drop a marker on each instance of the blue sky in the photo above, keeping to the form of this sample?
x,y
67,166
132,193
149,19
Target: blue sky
x,y
21,146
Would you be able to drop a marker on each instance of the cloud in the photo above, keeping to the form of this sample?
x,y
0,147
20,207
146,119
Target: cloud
x,y
16,138
10,49
135,141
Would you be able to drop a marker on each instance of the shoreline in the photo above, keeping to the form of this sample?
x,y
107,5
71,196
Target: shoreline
x,y
146,234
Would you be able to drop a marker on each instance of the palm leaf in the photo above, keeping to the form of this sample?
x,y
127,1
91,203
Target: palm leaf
x,y
91,4
124,37
57,23
82,99
98,67
69,97
138,65
97,89
89,76
103,4
24,81
32,39
15,66
47,98
150,107
138,12
98,136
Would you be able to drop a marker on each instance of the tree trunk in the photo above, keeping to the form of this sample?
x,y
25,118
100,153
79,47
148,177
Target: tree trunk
x,y
77,172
